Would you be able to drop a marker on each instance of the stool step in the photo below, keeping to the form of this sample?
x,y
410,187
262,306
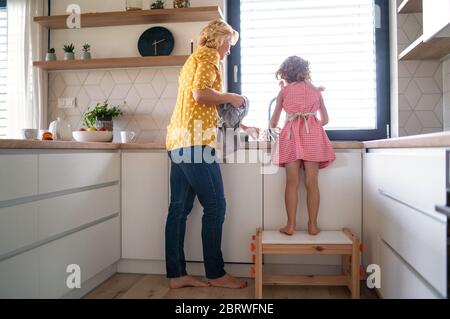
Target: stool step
x,y
291,280
303,238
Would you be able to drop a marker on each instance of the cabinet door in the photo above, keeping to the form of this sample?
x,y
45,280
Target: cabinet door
x,y
398,280
62,171
19,276
93,249
18,176
145,198
436,19
340,204
243,194
372,171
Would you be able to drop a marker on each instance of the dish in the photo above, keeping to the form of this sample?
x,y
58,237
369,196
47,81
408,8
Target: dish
x,y
97,136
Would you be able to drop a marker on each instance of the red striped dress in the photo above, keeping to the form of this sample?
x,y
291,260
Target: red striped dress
x,y
302,137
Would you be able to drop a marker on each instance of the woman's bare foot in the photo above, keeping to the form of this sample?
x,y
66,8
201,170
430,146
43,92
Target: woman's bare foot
x,y
288,230
228,281
186,281
313,229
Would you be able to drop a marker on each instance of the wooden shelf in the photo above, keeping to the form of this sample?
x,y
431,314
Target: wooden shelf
x,y
410,6
434,49
105,19
111,63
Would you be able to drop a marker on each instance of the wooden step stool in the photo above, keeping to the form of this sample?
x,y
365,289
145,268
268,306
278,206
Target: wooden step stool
x,y
301,243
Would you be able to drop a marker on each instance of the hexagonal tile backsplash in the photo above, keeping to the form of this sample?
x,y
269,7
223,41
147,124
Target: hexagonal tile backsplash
x,y
420,84
147,97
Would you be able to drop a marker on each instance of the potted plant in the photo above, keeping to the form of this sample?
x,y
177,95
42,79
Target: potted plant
x,y
158,4
181,3
51,56
86,54
101,116
69,52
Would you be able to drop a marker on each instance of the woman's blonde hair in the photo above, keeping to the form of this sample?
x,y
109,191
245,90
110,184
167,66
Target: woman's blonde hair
x,y
294,69
215,33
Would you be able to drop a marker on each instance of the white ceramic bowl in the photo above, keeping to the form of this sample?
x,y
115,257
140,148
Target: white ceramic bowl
x,y
96,136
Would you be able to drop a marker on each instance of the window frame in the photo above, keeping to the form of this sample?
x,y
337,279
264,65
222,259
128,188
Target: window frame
x,y
382,72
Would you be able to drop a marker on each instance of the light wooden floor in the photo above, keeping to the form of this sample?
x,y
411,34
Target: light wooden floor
x,y
131,286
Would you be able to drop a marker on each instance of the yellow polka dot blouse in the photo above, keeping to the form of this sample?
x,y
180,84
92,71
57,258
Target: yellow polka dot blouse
x,y
193,123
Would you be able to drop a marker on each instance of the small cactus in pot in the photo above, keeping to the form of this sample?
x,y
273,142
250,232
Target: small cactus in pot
x,y
86,54
69,52
51,56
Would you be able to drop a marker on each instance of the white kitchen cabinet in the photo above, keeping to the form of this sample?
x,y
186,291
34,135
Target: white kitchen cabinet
x,y
243,190
436,19
65,170
19,276
18,175
398,280
340,204
18,227
145,202
93,249
401,189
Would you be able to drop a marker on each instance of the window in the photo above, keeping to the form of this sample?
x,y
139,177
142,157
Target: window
x,y
346,43
3,67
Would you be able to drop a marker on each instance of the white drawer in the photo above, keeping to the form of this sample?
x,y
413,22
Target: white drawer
x,y
19,276
398,281
416,177
93,249
18,225
61,214
417,238
18,176
72,170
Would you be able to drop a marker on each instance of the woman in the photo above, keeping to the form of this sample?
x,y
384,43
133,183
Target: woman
x,y
191,142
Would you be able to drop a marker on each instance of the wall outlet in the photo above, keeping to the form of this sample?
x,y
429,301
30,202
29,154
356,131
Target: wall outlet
x,y
67,102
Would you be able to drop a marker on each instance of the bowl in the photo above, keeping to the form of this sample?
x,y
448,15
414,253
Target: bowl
x,y
96,136
29,134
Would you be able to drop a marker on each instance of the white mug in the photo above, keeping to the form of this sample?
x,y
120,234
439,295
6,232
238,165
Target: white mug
x,y
127,137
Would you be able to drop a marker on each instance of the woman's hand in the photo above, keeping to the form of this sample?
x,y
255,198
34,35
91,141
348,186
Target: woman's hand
x,y
235,99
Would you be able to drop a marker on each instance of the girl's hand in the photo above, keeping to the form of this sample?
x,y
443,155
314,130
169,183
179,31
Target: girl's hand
x,y
236,100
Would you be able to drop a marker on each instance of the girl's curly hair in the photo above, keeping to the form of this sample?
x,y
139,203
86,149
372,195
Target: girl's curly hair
x,y
294,69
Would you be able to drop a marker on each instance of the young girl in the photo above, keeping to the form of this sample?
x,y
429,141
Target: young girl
x,y
302,142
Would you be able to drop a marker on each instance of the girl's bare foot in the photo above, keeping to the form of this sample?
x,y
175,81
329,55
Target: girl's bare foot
x,y
186,281
313,229
228,281
288,230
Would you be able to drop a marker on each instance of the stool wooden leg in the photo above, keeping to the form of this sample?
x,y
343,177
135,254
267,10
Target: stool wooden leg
x,y
258,265
346,265
355,269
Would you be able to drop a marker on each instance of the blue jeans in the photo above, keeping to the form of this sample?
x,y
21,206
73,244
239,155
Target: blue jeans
x,y
187,180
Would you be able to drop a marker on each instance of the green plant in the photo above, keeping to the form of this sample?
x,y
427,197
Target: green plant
x,y
159,4
69,48
51,50
86,47
101,110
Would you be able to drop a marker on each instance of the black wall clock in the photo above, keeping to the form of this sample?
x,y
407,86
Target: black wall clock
x,y
156,41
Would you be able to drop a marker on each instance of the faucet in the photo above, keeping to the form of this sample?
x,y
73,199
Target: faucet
x,y
273,136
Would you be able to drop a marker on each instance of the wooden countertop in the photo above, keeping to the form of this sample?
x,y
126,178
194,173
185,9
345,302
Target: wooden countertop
x,y
441,139
417,141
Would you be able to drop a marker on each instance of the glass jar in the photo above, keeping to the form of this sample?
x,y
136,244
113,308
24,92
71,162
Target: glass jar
x,y
133,5
181,4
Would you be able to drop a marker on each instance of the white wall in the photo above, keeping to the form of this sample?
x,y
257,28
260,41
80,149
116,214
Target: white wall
x,y
120,41
146,95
